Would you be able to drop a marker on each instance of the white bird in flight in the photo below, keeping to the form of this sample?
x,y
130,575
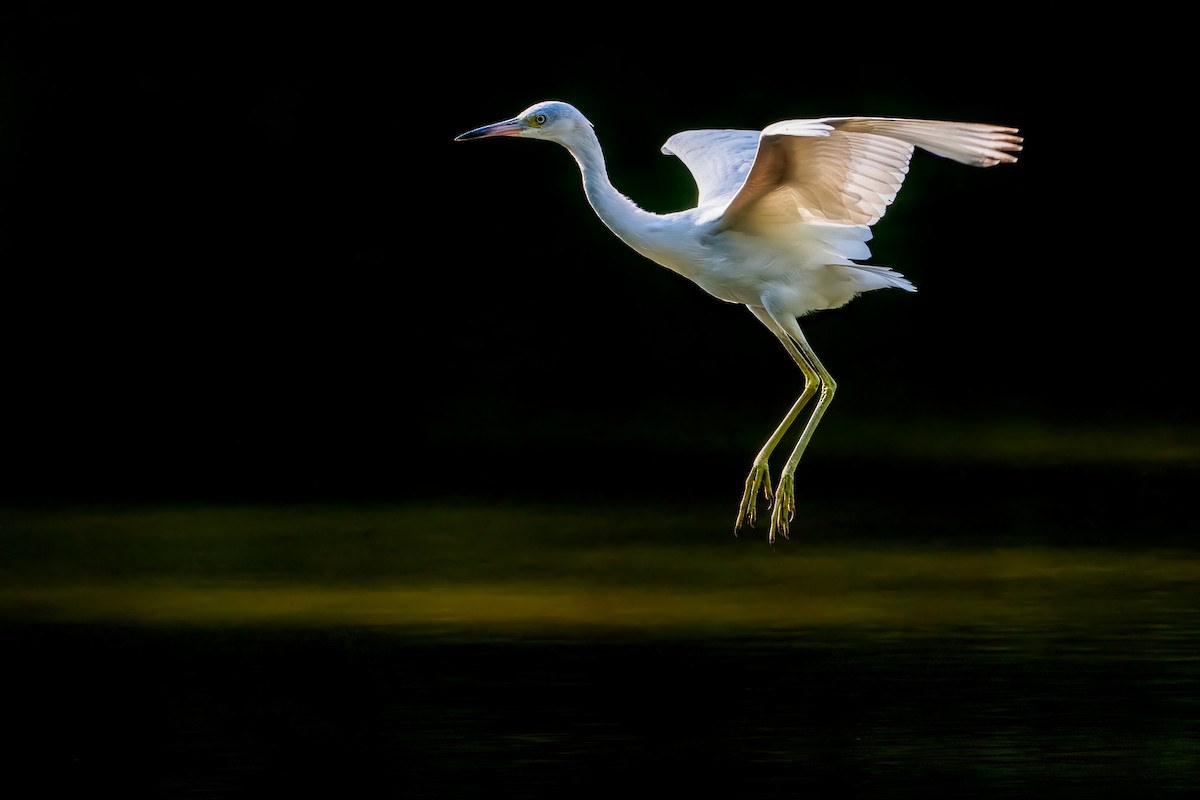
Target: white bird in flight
x,y
780,226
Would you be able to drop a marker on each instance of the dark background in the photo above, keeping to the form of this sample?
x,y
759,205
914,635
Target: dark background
x,y
243,257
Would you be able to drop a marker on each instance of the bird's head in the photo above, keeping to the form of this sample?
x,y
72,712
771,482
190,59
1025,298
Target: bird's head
x,y
551,120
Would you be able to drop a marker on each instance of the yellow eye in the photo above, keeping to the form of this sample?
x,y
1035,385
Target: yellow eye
x,y
538,120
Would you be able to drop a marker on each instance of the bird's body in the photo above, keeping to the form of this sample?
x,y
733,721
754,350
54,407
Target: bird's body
x,y
780,226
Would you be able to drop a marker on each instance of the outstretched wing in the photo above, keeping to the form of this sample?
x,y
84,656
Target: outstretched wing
x,y
841,170
719,161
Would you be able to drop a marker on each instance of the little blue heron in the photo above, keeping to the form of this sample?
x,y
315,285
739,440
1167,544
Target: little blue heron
x,y
780,226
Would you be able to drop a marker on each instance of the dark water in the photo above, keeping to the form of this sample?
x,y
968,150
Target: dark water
x,y
1035,636
262,712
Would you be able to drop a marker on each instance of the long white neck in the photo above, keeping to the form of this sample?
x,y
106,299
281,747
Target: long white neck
x,y
623,217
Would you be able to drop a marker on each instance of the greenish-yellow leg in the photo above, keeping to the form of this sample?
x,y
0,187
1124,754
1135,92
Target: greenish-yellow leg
x,y
760,473
783,505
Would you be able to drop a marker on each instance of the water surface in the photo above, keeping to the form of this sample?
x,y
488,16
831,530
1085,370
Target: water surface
x,y
453,649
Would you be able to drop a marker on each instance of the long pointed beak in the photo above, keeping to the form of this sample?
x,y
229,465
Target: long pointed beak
x,y
509,127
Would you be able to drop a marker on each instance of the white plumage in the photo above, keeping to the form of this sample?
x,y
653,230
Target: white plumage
x,y
781,224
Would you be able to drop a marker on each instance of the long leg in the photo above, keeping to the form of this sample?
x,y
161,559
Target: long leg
x,y
785,493
760,473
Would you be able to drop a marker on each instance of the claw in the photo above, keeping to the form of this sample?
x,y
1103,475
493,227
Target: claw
x,y
785,509
760,476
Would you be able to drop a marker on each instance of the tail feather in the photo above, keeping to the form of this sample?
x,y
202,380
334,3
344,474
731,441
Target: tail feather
x,y
886,277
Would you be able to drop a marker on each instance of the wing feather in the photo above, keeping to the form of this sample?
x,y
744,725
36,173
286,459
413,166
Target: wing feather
x,y
840,170
718,160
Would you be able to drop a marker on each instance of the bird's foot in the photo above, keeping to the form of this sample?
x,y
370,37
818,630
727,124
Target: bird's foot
x,y
759,477
784,510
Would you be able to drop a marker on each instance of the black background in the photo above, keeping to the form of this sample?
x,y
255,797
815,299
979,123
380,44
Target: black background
x,y
243,256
